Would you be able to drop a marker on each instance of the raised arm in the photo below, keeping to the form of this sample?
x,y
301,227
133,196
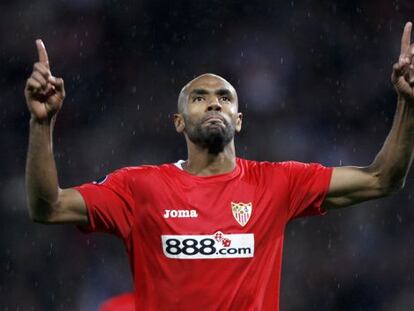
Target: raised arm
x,y
387,173
46,201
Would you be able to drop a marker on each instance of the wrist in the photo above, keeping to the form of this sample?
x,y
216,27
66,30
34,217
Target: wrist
x,y
405,109
405,100
48,122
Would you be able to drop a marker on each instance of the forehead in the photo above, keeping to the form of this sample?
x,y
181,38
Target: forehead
x,y
209,83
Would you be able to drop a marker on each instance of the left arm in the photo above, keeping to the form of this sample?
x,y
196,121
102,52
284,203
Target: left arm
x,y
350,185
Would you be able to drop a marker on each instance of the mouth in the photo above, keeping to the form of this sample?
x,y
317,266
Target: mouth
x,y
214,119
214,123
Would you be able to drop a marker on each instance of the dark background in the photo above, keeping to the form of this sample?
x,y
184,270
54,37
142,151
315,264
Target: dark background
x,y
314,85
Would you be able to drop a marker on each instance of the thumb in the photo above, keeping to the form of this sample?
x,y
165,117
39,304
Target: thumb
x,y
57,83
398,72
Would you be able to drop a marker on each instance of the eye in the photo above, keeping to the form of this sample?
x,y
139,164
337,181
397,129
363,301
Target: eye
x,y
198,99
224,99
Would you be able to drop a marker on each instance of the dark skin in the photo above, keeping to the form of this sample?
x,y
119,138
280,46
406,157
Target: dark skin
x,y
207,99
210,102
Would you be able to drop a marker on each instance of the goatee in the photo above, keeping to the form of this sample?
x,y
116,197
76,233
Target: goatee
x,y
214,137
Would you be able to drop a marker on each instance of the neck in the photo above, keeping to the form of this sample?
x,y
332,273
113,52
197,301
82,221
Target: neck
x,y
202,163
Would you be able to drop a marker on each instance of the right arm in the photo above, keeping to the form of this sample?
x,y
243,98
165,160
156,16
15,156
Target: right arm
x,y
46,201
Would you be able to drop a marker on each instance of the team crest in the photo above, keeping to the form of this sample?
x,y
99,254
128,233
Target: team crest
x,y
242,212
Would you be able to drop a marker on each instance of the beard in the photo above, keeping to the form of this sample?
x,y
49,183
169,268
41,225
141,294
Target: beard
x,y
213,137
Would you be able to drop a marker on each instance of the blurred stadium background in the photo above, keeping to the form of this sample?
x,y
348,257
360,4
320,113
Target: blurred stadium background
x,y
313,82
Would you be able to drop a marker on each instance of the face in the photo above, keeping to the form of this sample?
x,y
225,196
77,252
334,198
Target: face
x,y
209,112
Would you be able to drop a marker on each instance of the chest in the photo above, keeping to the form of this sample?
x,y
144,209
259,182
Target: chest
x,y
238,206
232,219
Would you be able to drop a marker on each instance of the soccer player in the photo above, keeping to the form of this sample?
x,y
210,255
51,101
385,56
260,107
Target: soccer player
x,y
207,233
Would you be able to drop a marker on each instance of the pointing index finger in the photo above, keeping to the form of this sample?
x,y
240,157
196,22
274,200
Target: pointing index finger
x,y
41,51
405,39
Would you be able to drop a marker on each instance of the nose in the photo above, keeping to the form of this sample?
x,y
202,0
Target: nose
x,y
214,105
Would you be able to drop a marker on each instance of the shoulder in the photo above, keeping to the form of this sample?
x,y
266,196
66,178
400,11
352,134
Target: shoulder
x,y
283,165
283,168
264,165
131,171
264,168
130,177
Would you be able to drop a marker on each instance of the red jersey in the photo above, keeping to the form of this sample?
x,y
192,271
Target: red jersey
x,y
205,243
123,302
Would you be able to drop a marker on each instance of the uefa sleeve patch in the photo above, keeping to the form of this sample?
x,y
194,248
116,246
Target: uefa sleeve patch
x,y
100,180
214,246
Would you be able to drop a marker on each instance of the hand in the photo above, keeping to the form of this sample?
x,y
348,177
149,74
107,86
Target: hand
x,y
44,93
403,71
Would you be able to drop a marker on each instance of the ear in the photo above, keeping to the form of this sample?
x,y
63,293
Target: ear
x,y
239,122
179,122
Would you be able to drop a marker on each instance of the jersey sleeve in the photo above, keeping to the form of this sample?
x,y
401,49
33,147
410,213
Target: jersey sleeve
x,y
109,203
308,187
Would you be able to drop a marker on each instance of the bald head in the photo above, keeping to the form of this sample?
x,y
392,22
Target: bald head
x,y
206,81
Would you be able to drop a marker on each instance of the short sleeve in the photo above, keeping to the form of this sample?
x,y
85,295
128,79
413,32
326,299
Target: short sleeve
x,y
308,186
110,203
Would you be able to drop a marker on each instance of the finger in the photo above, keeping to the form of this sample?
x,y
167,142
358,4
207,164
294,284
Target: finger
x,y
404,60
411,67
399,74
400,69
411,57
40,67
405,39
39,78
57,83
409,72
41,51
402,74
32,84
50,92
411,77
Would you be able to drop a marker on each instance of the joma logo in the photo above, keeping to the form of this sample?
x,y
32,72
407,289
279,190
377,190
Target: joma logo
x,y
180,213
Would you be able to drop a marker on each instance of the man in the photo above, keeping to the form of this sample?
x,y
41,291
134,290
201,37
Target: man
x,y
207,233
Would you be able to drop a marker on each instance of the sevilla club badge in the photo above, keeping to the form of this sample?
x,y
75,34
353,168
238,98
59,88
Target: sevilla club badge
x,y
242,212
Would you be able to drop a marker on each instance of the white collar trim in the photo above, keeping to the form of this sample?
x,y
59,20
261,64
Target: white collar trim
x,y
179,164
